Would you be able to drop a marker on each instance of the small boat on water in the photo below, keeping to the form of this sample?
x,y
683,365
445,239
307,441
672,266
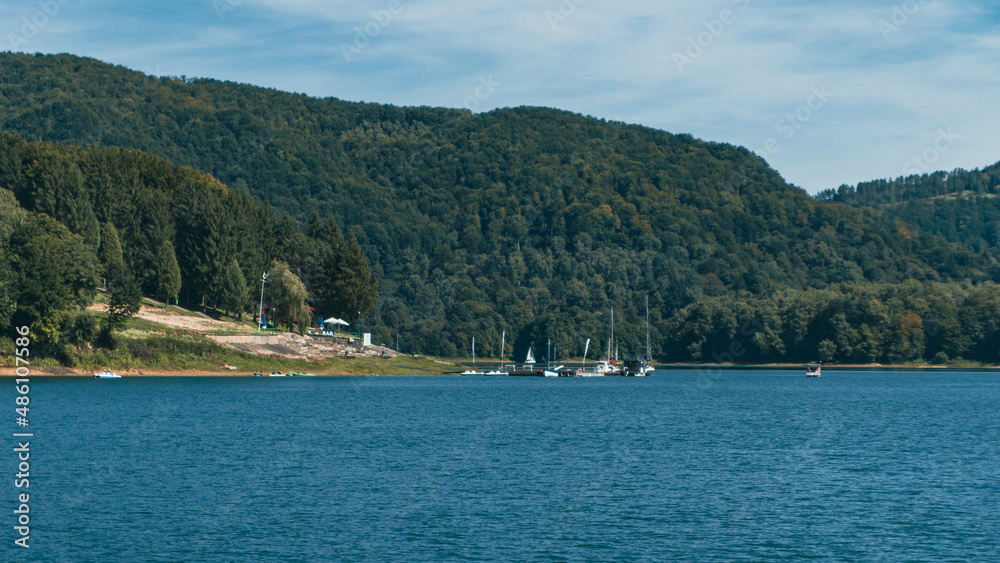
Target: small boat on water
x,y
636,368
814,370
276,374
604,368
107,374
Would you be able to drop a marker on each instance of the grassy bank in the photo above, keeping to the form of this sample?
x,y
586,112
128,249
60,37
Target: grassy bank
x,y
146,346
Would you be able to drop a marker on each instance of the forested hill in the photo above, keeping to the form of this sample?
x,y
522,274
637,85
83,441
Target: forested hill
x,y
961,206
529,220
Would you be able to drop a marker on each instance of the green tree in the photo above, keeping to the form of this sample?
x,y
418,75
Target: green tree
x,y
110,251
826,350
124,298
287,295
54,185
344,285
234,289
168,272
52,270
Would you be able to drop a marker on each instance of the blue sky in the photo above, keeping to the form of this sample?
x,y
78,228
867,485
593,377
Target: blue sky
x,y
828,92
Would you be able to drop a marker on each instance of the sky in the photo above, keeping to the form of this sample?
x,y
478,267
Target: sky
x,y
829,93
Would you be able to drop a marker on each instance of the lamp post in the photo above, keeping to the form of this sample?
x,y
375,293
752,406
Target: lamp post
x,y
260,311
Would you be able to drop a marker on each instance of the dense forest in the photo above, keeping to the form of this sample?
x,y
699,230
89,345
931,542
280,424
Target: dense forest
x,y
76,219
960,206
531,221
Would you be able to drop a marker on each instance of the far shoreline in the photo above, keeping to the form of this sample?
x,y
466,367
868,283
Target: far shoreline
x,y
826,367
57,371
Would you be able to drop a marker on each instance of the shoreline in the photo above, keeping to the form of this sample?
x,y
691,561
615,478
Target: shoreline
x,y
76,372
58,371
838,367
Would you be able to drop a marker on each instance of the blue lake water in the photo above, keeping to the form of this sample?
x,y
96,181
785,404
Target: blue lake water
x,y
734,466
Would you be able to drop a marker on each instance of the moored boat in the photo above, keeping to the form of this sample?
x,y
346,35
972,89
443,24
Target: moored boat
x,y
490,373
636,368
602,368
107,374
552,372
527,369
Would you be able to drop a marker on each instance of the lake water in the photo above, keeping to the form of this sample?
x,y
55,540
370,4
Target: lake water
x,y
735,466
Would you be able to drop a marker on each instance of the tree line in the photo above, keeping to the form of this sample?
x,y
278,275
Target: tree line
x,y
845,323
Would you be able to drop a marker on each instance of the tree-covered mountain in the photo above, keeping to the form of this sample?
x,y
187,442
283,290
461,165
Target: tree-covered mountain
x,y
531,221
960,206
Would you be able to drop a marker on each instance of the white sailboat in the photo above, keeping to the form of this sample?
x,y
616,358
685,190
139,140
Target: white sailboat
x,y
493,372
605,367
647,368
550,371
473,371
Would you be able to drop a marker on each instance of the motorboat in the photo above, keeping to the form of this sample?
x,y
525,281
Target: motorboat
x,y
601,369
107,374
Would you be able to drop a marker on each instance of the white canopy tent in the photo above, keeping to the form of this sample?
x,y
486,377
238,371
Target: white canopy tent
x,y
335,321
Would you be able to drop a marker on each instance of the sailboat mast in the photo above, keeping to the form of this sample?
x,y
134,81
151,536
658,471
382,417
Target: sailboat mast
x,y
503,338
473,351
611,340
647,329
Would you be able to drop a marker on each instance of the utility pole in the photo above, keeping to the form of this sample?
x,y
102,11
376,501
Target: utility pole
x,y
260,312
